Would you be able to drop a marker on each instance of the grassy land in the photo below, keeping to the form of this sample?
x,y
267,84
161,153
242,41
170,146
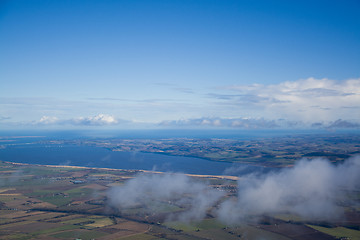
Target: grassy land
x,y
47,202
338,232
140,236
81,234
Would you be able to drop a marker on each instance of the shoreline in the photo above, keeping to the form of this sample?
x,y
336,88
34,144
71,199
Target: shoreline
x,y
203,158
227,177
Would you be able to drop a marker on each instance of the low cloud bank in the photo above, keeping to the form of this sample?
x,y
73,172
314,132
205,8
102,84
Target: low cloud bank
x,y
151,191
259,123
311,189
241,123
247,123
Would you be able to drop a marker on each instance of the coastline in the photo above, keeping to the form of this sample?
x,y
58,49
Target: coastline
x,y
226,177
254,164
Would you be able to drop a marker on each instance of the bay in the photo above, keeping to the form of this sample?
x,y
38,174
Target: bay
x,y
89,156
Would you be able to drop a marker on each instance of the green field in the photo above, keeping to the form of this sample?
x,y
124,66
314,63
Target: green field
x,y
48,202
339,232
79,234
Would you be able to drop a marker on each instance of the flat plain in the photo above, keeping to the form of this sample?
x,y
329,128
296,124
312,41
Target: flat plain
x,y
57,202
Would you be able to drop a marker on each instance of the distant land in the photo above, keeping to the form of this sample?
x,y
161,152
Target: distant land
x,y
274,149
269,152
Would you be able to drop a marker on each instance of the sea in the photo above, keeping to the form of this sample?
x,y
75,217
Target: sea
x,y
32,147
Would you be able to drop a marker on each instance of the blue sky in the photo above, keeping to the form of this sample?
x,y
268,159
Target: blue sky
x,y
209,63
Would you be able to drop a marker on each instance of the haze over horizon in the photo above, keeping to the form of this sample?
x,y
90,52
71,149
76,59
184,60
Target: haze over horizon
x,y
146,64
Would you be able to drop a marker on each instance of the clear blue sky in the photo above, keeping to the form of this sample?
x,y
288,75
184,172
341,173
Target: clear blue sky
x,y
83,62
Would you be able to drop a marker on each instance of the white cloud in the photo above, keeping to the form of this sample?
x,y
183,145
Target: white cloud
x,y
259,123
2,118
98,120
101,119
248,123
147,190
343,124
311,189
48,120
306,100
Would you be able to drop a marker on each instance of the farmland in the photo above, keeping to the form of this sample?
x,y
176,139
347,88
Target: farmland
x,y
58,202
279,151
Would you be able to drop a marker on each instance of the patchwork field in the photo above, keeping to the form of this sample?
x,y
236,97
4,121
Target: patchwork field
x,y
42,202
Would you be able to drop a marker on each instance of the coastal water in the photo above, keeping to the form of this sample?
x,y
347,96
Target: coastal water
x,y
89,156
30,147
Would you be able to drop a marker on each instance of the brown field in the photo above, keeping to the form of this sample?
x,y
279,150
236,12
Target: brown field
x,y
119,234
33,226
131,226
95,186
65,217
53,206
14,225
100,223
43,216
79,174
296,231
21,214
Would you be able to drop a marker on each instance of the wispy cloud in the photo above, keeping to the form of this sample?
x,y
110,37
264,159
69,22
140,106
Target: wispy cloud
x,y
165,84
143,101
183,90
220,122
257,123
343,124
108,99
296,99
2,118
308,102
